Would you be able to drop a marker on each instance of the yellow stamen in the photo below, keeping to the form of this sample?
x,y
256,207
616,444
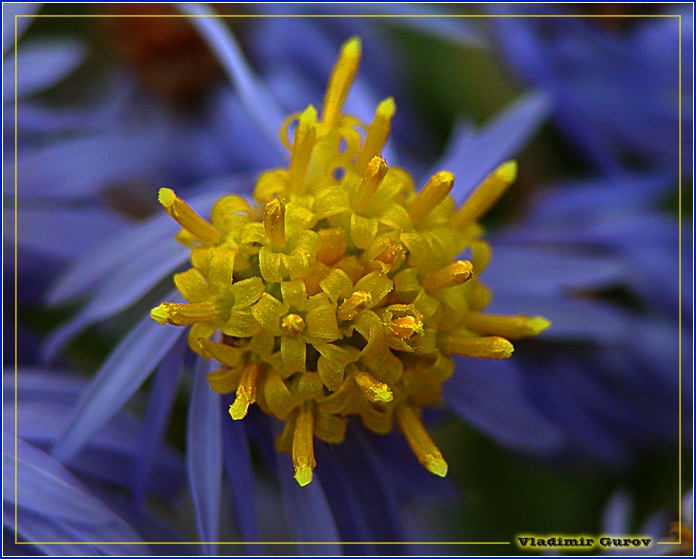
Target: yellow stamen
x,y
305,136
303,445
274,223
420,442
454,274
357,302
487,347
184,314
437,189
187,217
511,327
246,392
293,324
406,327
374,175
486,194
341,80
376,392
377,133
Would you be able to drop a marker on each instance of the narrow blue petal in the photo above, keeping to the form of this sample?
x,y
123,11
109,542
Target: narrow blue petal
x,y
538,270
42,64
454,30
9,11
110,456
587,434
64,232
45,489
345,504
156,420
474,156
77,169
41,384
240,474
102,261
616,517
124,287
359,488
204,455
117,380
308,510
258,101
491,397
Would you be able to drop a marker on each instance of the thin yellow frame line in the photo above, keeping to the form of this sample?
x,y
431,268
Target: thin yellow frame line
x,y
16,295
679,311
270,543
364,16
385,16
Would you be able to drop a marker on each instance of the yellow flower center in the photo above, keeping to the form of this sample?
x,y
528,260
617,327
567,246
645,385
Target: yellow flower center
x,y
339,295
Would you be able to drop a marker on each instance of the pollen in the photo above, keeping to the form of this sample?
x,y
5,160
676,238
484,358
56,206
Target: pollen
x,y
342,296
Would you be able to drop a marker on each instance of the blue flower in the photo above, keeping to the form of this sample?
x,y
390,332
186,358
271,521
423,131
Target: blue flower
x,y
339,504
615,82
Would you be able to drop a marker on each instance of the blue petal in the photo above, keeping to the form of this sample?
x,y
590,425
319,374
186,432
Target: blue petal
x,y
260,104
308,510
156,420
204,455
240,474
473,156
79,168
110,456
105,259
64,232
491,397
9,11
537,270
128,284
126,368
40,65
54,506
454,30
359,488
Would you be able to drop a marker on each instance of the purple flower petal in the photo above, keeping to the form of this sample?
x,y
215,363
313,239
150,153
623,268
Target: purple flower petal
x,y
491,397
47,491
40,65
126,368
9,11
240,474
156,420
258,101
472,156
204,455
311,519
105,259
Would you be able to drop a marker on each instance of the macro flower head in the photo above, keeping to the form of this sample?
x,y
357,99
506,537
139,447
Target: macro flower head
x,y
340,293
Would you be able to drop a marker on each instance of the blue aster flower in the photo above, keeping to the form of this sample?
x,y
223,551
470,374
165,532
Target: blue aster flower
x,y
75,502
615,82
339,504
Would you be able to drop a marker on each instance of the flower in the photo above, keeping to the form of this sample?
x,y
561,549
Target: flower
x,y
340,297
282,242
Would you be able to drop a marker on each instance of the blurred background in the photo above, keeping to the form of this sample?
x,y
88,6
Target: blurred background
x,y
109,109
